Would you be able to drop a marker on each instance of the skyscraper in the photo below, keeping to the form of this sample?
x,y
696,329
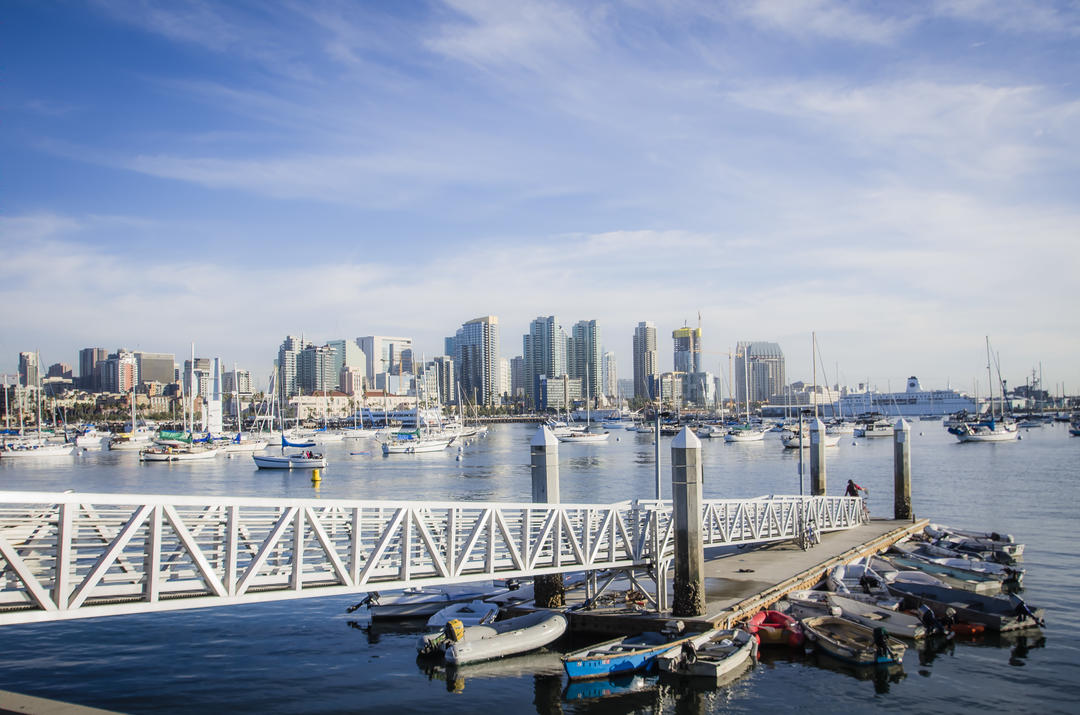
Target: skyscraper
x,y
762,365
609,376
646,362
585,348
478,359
383,354
347,353
29,372
155,367
544,354
88,372
687,349
316,369
288,357
446,379
120,372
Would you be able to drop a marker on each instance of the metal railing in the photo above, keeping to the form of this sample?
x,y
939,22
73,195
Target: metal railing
x,y
79,555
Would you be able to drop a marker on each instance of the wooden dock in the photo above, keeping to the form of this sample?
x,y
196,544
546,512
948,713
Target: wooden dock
x,y
741,582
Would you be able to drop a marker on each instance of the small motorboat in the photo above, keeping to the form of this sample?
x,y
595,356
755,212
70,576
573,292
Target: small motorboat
x,y
712,655
951,605
417,602
852,642
918,555
895,623
856,577
472,613
473,644
776,628
807,603
622,655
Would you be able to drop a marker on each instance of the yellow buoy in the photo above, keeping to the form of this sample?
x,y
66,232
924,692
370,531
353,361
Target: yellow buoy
x,y
315,476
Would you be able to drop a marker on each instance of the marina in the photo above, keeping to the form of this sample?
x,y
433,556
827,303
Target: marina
x,y
496,467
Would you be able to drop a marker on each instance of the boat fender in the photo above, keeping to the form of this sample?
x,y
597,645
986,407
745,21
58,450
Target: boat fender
x,y
454,630
836,611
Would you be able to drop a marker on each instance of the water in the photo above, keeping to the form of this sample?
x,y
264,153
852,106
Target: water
x,y
309,656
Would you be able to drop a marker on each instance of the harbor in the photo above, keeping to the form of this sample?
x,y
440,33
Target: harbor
x,y
738,581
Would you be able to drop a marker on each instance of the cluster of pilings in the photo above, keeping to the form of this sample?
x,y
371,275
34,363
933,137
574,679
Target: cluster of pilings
x,y
686,494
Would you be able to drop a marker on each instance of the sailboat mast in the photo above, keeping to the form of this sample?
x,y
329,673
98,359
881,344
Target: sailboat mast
x,y
813,351
236,401
38,386
990,377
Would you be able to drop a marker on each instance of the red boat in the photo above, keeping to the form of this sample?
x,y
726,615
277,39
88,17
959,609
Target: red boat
x,y
776,628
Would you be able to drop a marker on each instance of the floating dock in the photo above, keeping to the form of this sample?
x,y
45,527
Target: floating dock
x,y
741,582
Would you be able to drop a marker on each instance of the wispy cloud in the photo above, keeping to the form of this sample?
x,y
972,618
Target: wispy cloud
x,y
831,19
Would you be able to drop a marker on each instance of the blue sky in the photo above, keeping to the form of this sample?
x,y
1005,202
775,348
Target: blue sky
x,y
901,178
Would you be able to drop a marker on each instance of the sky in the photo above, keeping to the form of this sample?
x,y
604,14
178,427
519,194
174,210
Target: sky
x,y
902,179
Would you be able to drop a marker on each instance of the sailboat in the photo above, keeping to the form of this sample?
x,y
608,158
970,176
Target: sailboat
x,y
183,447
587,435
37,448
994,429
422,438
302,459
136,438
745,432
240,443
791,436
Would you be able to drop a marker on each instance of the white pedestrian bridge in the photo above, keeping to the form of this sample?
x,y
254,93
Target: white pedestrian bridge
x,y
73,555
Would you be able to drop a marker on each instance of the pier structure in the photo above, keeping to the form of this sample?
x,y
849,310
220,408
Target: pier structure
x,y
72,555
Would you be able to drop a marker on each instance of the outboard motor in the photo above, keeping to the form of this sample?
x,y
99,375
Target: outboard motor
x,y
867,582
930,622
881,644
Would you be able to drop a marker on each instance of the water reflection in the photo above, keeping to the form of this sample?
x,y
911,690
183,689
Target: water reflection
x,y
883,676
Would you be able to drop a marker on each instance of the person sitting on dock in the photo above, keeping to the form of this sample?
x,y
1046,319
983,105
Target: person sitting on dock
x,y
853,489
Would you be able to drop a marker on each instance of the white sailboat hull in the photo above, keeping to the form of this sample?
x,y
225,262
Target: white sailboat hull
x,y
744,436
43,451
289,461
171,454
416,446
586,437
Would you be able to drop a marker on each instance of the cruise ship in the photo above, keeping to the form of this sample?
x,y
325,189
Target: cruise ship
x,y
912,402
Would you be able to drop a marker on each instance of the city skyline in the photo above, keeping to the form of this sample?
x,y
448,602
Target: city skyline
x,y
900,180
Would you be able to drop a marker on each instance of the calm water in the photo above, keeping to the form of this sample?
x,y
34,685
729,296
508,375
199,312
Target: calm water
x,y
308,656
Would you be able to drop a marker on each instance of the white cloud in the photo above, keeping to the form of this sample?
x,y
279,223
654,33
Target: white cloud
x,y
827,18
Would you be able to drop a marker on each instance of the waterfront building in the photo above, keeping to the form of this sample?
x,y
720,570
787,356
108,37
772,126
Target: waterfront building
x,y
155,367
29,371
646,360
478,359
517,377
59,369
583,355
699,389
504,379
89,375
384,353
761,363
559,393
687,349
446,379
609,378
544,355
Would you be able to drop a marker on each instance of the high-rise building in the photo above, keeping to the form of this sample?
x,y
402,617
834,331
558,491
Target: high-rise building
x,y
29,371
201,371
446,379
544,355
646,360
155,367
351,380
60,369
585,352
120,372
762,365
347,353
287,362
89,375
517,377
317,370
504,378
609,377
383,353
236,381
687,349
478,359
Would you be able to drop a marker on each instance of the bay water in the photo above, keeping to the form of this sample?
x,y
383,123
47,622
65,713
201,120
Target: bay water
x,y
311,656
